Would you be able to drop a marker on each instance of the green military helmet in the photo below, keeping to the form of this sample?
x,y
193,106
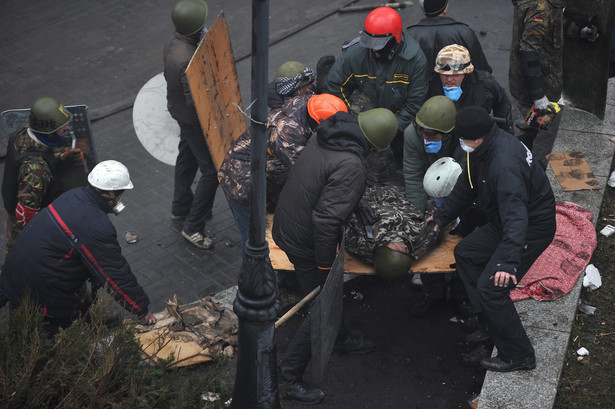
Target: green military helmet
x,y
189,16
290,69
379,125
47,115
390,264
437,113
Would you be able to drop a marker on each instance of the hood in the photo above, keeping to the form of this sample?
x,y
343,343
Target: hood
x,y
341,132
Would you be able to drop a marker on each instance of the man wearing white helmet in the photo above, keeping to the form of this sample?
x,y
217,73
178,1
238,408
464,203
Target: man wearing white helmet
x,y
69,242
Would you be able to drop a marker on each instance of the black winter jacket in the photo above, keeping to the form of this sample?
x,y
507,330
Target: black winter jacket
x,y
511,189
177,54
322,190
479,88
434,33
63,245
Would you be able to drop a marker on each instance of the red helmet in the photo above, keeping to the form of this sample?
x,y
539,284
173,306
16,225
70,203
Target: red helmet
x,y
380,25
322,106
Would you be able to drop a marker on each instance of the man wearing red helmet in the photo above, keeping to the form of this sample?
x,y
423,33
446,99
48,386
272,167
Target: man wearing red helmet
x,y
387,66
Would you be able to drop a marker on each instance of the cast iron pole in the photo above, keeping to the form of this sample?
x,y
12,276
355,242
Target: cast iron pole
x,y
256,384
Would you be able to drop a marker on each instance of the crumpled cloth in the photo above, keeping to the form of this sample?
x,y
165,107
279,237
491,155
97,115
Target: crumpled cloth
x,y
559,267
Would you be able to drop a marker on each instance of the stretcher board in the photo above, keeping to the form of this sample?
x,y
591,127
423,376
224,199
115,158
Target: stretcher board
x,y
212,78
439,260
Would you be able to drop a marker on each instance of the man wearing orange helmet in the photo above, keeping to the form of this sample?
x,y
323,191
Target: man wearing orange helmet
x,y
290,127
387,67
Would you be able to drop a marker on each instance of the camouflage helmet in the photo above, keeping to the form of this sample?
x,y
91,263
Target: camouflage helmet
x,y
47,116
441,177
322,106
391,264
379,125
437,113
189,16
453,59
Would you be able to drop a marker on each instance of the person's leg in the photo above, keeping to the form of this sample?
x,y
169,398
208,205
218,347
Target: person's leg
x,y
241,212
545,138
185,170
505,327
434,294
205,191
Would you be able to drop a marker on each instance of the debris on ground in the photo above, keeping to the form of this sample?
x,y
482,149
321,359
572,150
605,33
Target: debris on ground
x,y
582,351
592,280
190,333
586,309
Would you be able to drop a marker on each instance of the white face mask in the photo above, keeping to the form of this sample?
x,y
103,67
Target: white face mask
x,y
465,147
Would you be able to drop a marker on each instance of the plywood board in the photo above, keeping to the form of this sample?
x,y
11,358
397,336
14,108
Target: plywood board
x,y
439,260
212,77
572,171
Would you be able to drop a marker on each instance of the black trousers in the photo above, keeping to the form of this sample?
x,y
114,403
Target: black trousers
x,y
476,257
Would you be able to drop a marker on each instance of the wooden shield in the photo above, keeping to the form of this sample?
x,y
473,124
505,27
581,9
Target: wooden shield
x,y
212,78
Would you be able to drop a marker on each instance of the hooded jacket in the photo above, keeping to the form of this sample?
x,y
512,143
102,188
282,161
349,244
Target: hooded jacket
x,y
399,85
177,54
510,188
322,190
63,245
434,33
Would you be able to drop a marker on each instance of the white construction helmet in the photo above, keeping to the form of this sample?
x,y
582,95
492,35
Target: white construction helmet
x,y
110,175
441,177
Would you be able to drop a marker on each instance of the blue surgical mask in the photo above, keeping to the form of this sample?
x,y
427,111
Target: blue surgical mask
x,y
432,147
465,147
453,93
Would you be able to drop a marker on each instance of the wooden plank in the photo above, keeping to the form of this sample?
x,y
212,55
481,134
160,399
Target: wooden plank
x,y
439,260
212,77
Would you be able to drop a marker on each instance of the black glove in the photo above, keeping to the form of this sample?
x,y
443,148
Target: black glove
x,y
366,216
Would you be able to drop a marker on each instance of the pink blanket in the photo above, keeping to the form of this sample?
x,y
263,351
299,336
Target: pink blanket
x,y
557,270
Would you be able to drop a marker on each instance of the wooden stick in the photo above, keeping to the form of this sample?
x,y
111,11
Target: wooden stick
x,y
297,307
372,6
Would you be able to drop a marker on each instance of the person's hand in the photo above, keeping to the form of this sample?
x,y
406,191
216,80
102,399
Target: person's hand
x,y
543,105
503,279
74,156
398,246
149,319
435,227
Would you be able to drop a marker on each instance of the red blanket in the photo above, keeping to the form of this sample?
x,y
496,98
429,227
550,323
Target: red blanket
x,y
557,270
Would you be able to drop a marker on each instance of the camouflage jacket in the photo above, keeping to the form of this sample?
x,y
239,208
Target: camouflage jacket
x,y
397,219
33,178
288,132
537,28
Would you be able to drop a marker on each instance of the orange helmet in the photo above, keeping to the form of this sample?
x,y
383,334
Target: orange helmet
x,y
380,25
322,106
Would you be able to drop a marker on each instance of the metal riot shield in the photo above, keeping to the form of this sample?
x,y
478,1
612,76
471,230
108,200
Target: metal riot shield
x,y
585,63
326,314
69,175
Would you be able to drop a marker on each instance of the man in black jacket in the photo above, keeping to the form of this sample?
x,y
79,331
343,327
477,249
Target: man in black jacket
x,y
189,20
437,30
68,242
317,200
516,197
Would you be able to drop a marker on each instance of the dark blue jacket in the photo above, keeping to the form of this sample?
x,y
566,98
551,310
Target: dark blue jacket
x,y
63,245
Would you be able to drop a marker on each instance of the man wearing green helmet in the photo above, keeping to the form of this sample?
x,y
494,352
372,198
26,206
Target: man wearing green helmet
x,y
292,79
189,20
321,192
29,180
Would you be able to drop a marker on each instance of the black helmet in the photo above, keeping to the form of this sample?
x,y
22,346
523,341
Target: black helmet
x,y
391,264
189,16
48,115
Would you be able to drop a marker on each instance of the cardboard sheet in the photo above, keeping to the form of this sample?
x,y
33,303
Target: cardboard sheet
x,y
572,171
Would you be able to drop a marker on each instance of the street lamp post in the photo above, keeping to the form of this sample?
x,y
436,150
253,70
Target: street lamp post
x,y
256,384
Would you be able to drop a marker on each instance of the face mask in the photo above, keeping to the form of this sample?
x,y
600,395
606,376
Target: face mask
x,y
465,147
453,93
117,209
432,147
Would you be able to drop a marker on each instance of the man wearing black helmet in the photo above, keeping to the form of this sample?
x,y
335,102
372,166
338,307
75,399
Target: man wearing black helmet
x,y
29,180
189,20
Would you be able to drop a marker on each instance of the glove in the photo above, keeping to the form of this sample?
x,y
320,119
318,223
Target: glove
x,y
589,33
74,156
365,213
543,105
24,214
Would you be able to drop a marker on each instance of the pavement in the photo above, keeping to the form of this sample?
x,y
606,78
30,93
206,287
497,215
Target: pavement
x,y
101,53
